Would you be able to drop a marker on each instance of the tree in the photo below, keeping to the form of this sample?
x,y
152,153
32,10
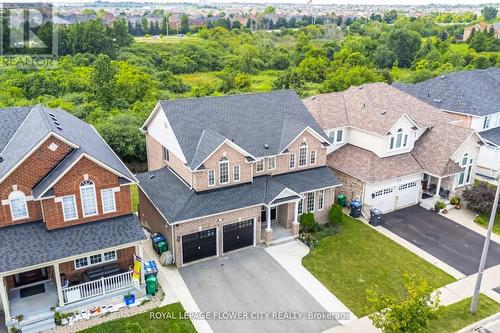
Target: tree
x,y
184,24
335,214
119,33
405,45
103,81
313,68
164,25
383,57
390,16
289,79
242,80
308,222
409,313
479,197
479,41
489,13
346,76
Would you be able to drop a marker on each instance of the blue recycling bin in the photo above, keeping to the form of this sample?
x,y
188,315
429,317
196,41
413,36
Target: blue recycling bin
x,y
356,208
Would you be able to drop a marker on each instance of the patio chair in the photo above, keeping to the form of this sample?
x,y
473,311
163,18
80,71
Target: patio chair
x,y
432,189
444,193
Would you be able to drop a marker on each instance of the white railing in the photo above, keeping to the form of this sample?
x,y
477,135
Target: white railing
x,y
97,288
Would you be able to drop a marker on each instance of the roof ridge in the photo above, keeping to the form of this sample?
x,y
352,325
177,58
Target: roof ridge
x,y
228,96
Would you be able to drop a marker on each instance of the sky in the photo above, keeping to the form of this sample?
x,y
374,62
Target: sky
x,y
344,2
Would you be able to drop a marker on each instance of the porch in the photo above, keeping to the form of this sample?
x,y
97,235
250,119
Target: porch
x,y
279,222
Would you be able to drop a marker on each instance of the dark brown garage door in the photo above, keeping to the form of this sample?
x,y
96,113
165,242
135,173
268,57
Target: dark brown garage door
x,y
238,235
199,245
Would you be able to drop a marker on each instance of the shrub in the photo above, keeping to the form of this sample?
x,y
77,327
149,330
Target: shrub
x,y
335,214
455,200
480,197
308,222
439,205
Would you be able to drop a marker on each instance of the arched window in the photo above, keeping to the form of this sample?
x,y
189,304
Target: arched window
x,y
18,205
224,170
464,177
88,197
303,154
399,140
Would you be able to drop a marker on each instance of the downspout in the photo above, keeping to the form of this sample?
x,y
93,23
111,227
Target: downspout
x,y
173,245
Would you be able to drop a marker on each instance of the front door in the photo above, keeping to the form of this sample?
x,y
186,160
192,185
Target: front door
x,y
30,277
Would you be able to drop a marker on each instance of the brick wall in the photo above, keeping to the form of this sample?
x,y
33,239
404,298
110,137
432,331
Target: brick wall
x,y
27,175
69,184
351,186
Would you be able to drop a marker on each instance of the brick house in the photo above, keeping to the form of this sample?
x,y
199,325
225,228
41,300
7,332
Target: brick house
x,y
67,232
233,171
391,150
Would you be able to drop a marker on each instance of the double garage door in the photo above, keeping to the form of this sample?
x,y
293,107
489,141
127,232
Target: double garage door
x,y
203,244
395,197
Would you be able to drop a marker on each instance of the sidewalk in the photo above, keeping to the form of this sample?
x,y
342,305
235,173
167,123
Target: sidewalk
x,y
466,217
289,255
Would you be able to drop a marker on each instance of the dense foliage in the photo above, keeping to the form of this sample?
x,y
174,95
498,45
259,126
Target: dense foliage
x,y
480,197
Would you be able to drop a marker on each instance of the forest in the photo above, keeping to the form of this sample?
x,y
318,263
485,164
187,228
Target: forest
x,y
112,79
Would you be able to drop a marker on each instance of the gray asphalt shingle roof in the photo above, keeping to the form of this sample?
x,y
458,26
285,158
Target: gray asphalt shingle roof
x,y
177,202
251,121
475,92
40,121
10,120
492,135
29,244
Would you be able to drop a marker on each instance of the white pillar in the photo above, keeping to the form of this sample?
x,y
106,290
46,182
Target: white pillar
x,y
438,187
268,217
5,299
57,277
140,253
296,213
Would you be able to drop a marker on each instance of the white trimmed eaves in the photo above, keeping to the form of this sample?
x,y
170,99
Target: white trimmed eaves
x,y
404,115
232,145
467,139
313,133
150,117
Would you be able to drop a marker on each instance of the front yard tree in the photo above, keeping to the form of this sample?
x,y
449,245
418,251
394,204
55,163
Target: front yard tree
x,y
480,197
335,215
409,313
489,12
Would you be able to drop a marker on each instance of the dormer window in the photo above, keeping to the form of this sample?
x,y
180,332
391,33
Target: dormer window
x,y
487,122
18,205
259,166
400,140
303,154
89,202
464,177
224,170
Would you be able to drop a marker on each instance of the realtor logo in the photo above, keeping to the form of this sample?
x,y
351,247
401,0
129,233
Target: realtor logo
x,y
29,37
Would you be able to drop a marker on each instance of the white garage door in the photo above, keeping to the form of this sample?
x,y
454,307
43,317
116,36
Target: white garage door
x,y
384,199
407,194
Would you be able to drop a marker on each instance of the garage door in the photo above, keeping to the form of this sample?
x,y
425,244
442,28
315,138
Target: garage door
x,y
238,235
199,245
384,199
407,194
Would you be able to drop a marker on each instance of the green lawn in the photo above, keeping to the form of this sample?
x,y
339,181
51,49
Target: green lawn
x,y
359,258
457,316
484,219
170,324
134,193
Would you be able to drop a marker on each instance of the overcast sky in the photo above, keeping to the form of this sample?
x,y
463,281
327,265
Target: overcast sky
x,y
369,2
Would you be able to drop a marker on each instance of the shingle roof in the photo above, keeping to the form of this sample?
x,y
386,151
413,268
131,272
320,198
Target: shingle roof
x,y
492,135
40,121
373,107
251,121
367,166
28,244
475,92
10,120
178,203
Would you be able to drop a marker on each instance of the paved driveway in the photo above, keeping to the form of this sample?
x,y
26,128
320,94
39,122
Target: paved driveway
x,y
250,281
446,240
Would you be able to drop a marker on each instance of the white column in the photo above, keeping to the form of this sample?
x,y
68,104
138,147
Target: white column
x,y
57,277
5,299
438,187
268,217
296,213
140,253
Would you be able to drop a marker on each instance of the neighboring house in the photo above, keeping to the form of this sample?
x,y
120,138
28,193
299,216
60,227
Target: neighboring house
x,y
473,97
233,171
65,219
391,150
481,27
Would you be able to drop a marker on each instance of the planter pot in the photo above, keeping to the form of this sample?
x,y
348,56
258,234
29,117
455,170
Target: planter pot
x,y
129,299
444,211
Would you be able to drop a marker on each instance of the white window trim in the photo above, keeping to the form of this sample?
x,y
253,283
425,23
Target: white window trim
x,y
333,135
225,161
27,216
321,194
74,203
257,166
95,201
312,195
114,201
394,139
313,152
208,177
306,156
294,161
268,163
99,263
237,166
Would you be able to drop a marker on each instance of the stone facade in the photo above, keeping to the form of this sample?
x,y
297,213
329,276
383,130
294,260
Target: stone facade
x,y
351,186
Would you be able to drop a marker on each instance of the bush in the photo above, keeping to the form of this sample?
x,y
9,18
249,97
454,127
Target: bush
x,y
480,197
439,205
455,200
335,214
308,223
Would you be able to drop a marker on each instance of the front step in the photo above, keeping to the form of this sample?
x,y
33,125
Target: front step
x,y
282,240
39,326
426,205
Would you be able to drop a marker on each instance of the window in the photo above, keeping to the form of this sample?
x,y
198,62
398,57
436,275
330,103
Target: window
x,y
69,208
332,136
81,262
271,163
224,170
236,173
487,122
340,136
399,140
87,192
260,165
336,136
95,259
321,199
211,177
303,154
292,161
166,154
108,200
300,207
405,140
110,256
310,202
464,177
313,157
18,205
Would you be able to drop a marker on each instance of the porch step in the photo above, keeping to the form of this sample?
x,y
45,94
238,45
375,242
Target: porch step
x,y
39,326
282,240
426,205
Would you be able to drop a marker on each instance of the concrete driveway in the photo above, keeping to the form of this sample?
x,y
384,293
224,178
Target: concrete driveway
x,y
446,240
251,281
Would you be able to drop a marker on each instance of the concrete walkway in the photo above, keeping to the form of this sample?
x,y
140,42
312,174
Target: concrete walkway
x,y
466,217
289,256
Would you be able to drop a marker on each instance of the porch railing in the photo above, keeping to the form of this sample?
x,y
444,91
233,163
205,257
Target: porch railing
x,y
97,288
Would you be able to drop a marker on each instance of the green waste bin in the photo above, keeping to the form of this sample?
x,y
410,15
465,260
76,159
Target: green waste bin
x,y
342,200
161,247
151,284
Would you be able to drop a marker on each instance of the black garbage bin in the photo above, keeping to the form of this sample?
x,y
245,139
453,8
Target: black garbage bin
x,y
375,217
355,208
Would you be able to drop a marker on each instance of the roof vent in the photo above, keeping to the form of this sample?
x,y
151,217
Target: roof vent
x,y
443,77
57,124
59,127
437,101
313,98
51,114
151,176
266,146
428,95
383,113
1,159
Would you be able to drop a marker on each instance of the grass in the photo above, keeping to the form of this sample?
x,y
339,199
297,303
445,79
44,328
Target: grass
x,y
457,316
143,323
134,193
484,219
359,258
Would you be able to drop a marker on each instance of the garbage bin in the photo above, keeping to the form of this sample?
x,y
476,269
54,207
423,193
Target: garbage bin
x,y
342,200
150,268
355,208
375,217
161,247
160,244
151,284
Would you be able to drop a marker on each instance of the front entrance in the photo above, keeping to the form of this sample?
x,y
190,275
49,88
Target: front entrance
x,y
199,245
263,215
30,277
238,235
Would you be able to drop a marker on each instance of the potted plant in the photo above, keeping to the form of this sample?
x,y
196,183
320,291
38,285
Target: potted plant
x,y
439,205
58,318
455,201
129,298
